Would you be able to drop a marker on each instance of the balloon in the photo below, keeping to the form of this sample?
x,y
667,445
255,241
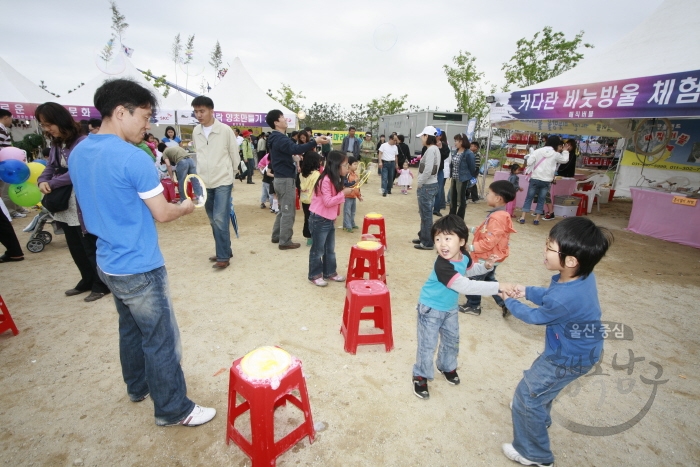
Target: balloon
x,y
25,194
41,161
13,171
12,152
35,169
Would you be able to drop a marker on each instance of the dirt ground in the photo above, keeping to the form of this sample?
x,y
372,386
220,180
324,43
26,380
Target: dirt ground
x,y
63,401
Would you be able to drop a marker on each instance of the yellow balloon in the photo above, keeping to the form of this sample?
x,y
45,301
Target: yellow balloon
x,y
35,169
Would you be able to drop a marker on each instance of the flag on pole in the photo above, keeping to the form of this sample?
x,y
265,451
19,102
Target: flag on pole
x,y
128,51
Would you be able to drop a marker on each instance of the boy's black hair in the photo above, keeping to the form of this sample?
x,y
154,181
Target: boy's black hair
x,y
272,116
5,113
308,130
124,92
293,134
45,153
475,144
203,101
504,189
581,238
452,224
95,122
351,160
162,147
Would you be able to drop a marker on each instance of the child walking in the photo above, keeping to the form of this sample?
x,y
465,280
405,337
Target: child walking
x,y
437,305
310,171
491,241
268,189
515,180
329,194
573,248
405,178
351,199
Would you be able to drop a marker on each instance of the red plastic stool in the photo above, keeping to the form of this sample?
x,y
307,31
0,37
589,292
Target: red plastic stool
x,y
262,400
367,257
362,294
6,322
582,205
377,219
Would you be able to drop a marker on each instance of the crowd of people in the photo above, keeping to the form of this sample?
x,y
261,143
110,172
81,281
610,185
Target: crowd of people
x,y
115,245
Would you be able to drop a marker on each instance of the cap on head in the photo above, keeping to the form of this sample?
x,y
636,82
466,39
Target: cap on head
x,y
246,133
429,131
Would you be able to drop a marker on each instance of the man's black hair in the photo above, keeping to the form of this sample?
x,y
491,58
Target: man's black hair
x,y
237,131
203,101
124,92
95,122
272,116
293,134
401,138
554,141
504,189
351,128
451,224
162,147
5,113
308,130
581,238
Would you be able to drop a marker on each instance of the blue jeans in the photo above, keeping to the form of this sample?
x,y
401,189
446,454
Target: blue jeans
x,y
322,253
349,213
184,168
388,170
218,207
266,196
440,202
251,168
475,300
431,324
149,343
532,403
539,188
426,199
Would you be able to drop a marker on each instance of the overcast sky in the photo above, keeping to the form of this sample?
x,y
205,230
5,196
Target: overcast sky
x,y
332,51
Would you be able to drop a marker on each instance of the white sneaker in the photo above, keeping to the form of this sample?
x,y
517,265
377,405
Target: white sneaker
x,y
17,214
336,278
199,416
514,455
319,282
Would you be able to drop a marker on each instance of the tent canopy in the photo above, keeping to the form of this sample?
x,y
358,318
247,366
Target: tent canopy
x,y
654,71
18,94
239,101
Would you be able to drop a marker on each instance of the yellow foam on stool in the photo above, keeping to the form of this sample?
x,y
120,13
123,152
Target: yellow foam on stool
x,y
369,245
266,362
373,215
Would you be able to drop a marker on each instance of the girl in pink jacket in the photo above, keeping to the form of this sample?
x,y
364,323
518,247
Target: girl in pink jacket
x,y
329,194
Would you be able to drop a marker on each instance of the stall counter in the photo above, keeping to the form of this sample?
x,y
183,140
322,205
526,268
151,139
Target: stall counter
x,y
654,214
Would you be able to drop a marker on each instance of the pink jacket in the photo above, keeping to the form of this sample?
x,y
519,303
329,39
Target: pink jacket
x,y
327,202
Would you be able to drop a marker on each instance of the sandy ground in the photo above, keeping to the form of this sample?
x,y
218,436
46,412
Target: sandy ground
x,y
63,401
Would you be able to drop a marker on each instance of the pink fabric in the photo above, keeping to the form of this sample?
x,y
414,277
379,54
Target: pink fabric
x,y
510,208
327,203
563,187
264,161
654,214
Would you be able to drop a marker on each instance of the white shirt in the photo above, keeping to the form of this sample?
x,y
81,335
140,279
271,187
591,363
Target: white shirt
x,y
389,152
239,140
206,130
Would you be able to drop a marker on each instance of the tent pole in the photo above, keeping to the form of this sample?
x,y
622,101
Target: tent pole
x,y
619,163
488,149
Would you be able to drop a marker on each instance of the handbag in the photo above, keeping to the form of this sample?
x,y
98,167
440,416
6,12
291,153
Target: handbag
x,y
59,198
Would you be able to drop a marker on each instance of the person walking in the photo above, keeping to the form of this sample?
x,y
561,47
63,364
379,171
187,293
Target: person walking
x,y
249,155
387,164
351,144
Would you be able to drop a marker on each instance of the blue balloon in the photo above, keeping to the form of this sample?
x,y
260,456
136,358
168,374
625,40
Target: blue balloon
x,y
40,161
13,171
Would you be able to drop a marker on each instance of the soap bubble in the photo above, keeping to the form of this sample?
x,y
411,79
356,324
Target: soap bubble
x,y
385,37
114,66
192,63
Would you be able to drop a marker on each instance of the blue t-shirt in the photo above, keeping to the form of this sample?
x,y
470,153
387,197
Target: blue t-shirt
x,y
174,140
111,179
435,293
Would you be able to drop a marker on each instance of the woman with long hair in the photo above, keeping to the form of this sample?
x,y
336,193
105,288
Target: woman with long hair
x,y
461,169
64,133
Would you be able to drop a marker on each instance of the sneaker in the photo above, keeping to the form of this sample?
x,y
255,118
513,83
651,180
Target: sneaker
x,y
548,217
506,312
470,310
262,206
349,229
536,222
514,455
199,416
416,241
336,278
521,221
141,399
451,376
384,194
420,387
420,246
319,282
355,227
17,214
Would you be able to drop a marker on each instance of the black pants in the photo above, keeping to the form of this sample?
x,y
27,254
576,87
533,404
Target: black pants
x,y
8,237
306,207
83,250
458,200
474,192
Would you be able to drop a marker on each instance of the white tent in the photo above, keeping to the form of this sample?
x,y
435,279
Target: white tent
x,y
81,103
653,72
16,92
239,101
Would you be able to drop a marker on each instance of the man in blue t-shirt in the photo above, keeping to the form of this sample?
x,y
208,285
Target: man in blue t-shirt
x,y
120,195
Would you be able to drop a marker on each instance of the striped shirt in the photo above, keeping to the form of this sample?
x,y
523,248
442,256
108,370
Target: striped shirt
x,y
5,140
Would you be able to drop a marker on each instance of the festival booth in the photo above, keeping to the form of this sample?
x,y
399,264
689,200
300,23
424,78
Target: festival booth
x,y
18,94
239,101
80,103
645,88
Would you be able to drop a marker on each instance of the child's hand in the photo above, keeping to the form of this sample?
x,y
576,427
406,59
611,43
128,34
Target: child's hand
x,y
506,290
347,191
521,189
359,196
518,291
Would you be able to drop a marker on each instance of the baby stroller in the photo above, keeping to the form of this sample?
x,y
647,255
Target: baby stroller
x,y
39,237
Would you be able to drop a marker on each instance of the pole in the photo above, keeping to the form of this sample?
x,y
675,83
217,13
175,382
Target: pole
x,y
486,167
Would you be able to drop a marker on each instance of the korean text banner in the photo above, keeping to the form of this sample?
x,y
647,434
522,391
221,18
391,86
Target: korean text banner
x,y
671,95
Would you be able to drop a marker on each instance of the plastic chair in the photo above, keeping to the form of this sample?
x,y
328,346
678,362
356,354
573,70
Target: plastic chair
x,y
367,294
366,258
374,218
597,181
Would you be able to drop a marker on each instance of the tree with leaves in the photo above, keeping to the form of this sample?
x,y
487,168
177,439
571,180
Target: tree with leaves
x,y
189,56
176,53
465,80
118,27
216,59
546,55
288,98
158,82
385,105
325,117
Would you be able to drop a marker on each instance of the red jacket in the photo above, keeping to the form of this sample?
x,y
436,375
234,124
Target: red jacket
x,y
492,237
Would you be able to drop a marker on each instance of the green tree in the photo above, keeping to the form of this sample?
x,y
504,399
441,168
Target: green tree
x,y
358,117
216,59
466,81
119,26
385,105
176,53
545,56
159,82
288,98
325,117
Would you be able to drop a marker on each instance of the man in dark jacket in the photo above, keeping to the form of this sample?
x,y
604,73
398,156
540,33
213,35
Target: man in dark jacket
x,y
351,144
